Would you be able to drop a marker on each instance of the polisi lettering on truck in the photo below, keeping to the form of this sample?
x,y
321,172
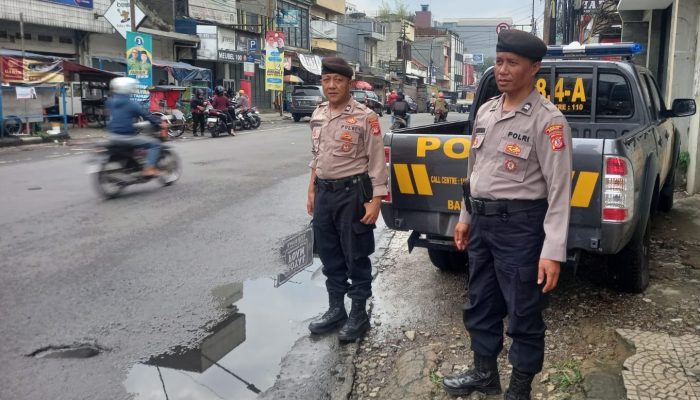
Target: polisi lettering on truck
x,y
457,148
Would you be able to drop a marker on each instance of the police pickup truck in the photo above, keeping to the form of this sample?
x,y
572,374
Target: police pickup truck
x,y
625,149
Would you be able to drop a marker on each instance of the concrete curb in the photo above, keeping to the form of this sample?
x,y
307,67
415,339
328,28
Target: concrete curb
x,y
25,140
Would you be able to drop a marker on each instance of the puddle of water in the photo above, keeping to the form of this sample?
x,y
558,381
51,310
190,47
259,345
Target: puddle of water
x,y
241,355
72,351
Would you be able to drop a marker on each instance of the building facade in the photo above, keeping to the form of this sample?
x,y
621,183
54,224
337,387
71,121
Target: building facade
x,y
324,26
479,35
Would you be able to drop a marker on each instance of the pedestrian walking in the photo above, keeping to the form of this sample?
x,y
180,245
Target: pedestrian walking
x,y
348,181
514,220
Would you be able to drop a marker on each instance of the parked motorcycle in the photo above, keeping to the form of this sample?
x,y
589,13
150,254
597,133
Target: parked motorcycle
x,y
118,165
253,116
440,116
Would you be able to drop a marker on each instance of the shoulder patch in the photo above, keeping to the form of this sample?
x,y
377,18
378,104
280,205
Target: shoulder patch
x,y
557,141
554,129
373,121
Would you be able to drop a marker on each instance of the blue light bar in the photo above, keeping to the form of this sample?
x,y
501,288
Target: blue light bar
x,y
576,49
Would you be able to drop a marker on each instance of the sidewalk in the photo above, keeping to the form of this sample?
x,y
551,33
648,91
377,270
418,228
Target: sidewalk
x,y
88,134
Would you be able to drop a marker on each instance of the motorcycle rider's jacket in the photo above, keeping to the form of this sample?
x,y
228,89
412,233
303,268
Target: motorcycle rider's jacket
x,y
400,108
124,112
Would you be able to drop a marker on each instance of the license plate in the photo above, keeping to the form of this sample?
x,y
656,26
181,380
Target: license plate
x,y
211,120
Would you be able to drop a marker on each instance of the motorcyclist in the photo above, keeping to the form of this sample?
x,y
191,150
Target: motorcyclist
x,y
221,103
197,105
441,107
391,99
124,112
243,100
400,109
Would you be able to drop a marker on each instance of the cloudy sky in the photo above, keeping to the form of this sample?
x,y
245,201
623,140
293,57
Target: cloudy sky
x,y
519,10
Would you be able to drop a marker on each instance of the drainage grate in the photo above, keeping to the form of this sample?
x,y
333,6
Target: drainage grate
x,y
77,350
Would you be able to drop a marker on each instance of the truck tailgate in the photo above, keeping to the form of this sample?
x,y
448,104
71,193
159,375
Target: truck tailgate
x,y
427,172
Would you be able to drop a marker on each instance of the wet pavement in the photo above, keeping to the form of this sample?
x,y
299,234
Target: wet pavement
x,y
160,277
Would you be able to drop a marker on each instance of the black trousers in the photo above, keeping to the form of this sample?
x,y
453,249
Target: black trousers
x,y
198,120
344,243
504,252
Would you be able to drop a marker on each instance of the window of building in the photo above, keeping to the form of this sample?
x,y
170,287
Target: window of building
x,y
3,34
45,38
65,40
298,36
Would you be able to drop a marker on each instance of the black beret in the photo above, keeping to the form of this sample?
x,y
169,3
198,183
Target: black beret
x,y
336,65
521,43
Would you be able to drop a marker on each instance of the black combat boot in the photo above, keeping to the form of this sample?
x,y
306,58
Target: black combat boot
x,y
520,386
357,324
482,378
333,318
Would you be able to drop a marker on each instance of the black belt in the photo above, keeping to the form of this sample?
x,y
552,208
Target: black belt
x,y
332,185
498,207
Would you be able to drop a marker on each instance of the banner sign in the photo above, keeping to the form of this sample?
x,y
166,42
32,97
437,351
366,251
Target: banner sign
x,y
119,15
232,56
25,92
73,3
207,42
297,254
248,69
311,63
219,11
139,62
288,18
25,70
274,61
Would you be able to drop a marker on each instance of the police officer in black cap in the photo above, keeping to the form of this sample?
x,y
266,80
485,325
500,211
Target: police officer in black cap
x,y
514,220
348,181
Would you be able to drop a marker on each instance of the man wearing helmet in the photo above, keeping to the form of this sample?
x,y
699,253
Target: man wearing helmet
x,y
124,112
197,105
401,109
221,102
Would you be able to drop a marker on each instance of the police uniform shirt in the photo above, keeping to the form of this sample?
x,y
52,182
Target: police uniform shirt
x,y
349,143
524,154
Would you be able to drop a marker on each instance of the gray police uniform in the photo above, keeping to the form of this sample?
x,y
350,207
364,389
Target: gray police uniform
x,y
519,172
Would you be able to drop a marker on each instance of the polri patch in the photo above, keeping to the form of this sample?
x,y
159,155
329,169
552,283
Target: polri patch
x,y
510,165
477,141
557,141
346,137
513,149
374,124
351,120
346,147
554,129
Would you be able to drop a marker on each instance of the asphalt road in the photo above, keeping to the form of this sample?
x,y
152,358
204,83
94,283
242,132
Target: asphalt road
x,y
172,285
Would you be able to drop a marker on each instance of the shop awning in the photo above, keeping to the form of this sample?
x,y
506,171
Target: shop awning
x,y
362,85
181,71
88,73
293,79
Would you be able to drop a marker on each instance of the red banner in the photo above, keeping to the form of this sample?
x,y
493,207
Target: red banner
x,y
12,69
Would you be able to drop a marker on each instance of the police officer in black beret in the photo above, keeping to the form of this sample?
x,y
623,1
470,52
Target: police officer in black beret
x,y
514,219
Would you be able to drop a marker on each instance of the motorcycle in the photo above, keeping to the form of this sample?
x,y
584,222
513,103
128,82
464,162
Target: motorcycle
x,y
440,116
253,116
217,122
399,123
118,165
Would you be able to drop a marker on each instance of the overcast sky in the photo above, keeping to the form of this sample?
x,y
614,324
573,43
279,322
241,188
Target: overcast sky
x,y
519,10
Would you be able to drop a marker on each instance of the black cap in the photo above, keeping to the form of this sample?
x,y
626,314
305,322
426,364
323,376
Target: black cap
x,y
521,43
336,65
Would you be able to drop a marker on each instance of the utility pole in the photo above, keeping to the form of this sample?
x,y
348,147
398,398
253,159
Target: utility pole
x,y
132,14
403,55
532,23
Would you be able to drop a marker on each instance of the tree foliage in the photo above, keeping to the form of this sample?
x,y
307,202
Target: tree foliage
x,y
400,10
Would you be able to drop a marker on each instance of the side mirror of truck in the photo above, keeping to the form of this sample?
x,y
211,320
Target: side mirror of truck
x,y
682,108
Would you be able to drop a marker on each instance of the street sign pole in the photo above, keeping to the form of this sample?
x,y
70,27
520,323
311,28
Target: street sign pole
x,y
132,14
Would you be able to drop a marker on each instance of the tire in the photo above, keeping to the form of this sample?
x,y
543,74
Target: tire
x,y
296,117
12,125
446,260
629,268
105,184
169,163
256,122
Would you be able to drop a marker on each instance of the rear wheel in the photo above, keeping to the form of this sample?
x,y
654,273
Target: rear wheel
x,y
629,268
255,124
108,184
446,260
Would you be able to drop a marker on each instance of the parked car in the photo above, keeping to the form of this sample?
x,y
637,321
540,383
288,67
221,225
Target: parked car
x,y
625,153
412,105
305,99
370,99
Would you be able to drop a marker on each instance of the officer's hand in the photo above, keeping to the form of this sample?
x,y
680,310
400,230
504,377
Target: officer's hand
x,y
461,236
548,272
372,211
310,202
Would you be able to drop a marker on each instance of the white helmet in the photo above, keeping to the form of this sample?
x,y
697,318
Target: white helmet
x,y
123,85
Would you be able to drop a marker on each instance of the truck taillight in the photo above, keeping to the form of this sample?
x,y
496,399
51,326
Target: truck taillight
x,y
387,158
618,190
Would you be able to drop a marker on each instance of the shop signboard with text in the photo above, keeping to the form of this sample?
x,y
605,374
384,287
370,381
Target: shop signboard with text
x,y
218,11
29,71
139,62
274,60
87,4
